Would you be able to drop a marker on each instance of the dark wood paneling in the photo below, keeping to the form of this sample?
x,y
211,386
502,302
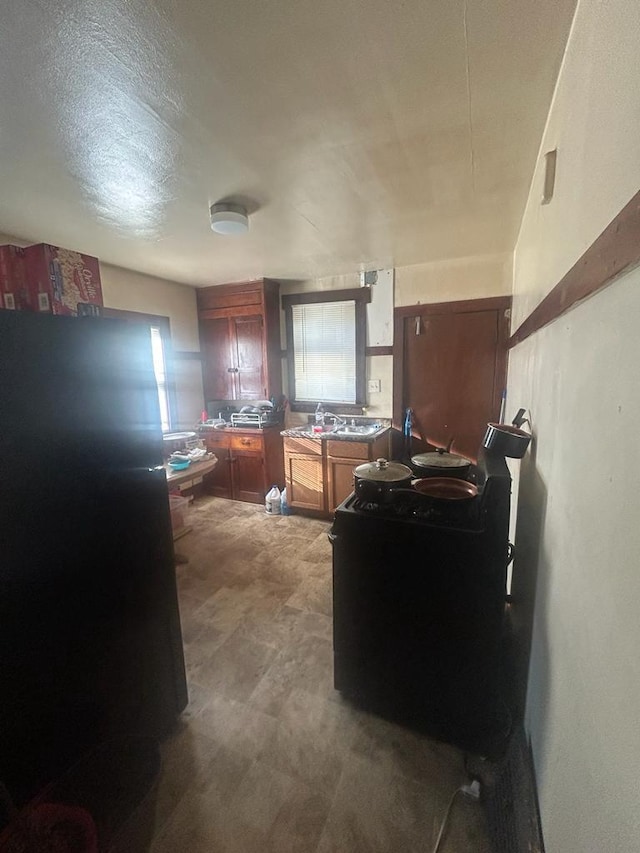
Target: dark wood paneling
x,y
616,250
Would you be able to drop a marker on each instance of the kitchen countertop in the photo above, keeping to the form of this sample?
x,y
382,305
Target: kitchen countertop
x,y
297,432
207,428
196,469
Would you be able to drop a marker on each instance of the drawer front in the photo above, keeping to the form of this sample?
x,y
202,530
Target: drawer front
x,y
247,442
217,440
349,449
309,446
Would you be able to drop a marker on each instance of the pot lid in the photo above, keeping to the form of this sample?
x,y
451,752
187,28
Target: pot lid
x,y
383,471
440,459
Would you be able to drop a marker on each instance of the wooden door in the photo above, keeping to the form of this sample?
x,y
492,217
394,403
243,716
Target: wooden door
x,y
247,345
451,369
218,365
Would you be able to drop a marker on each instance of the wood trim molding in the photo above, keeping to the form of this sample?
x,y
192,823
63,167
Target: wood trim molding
x,y
456,307
357,294
158,320
615,251
378,351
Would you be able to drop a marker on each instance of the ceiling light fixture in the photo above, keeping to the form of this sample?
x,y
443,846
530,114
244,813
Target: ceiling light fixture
x,y
229,218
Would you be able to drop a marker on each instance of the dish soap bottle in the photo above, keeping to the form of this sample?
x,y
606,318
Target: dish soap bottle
x,y
319,415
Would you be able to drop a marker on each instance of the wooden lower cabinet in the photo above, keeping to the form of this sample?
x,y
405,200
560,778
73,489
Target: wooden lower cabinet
x,y
249,463
319,474
339,480
305,481
304,471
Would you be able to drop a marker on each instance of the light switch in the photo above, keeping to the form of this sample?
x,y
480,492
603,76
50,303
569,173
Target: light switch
x,y
373,386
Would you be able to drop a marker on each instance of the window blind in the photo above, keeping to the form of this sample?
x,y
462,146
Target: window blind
x,y
324,344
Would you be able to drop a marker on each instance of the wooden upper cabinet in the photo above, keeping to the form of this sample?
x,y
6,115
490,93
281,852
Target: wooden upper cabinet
x,y
248,357
240,340
215,343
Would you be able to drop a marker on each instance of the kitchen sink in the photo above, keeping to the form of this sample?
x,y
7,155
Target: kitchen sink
x,y
333,430
308,430
358,429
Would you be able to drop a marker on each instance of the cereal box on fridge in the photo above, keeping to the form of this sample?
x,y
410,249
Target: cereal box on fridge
x,y
60,278
14,294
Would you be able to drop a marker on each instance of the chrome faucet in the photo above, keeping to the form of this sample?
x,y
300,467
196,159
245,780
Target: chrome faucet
x,y
337,421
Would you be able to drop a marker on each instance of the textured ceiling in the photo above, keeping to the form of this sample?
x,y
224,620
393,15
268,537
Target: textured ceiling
x,y
360,134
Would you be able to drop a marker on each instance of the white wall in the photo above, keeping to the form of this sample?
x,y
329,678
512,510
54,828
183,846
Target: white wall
x,y
132,291
578,508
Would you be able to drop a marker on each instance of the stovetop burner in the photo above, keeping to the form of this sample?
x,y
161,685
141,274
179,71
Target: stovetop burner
x,y
452,514
488,510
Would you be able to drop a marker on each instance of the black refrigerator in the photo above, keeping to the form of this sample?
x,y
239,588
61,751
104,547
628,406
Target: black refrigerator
x,y
90,642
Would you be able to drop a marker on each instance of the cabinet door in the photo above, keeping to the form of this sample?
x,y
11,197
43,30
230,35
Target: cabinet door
x,y
218,365
219,481
305,487
339,480
248,476
248,361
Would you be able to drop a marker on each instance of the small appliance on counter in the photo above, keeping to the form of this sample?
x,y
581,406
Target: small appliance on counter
x,y
253,415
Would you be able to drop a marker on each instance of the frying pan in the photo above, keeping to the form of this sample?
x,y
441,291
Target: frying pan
x,y
446,488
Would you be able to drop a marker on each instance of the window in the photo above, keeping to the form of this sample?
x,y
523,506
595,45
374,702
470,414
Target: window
x,y
326,338
160,370
160,332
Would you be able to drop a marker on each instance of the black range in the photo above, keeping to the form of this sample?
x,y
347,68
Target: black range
x,y
419,596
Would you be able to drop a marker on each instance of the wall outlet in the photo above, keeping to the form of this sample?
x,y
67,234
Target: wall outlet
x,y
373,386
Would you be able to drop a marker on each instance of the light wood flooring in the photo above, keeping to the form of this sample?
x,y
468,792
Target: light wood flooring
x,y
268,756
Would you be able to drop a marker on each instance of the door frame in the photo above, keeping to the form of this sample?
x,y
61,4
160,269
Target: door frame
x,y
502,304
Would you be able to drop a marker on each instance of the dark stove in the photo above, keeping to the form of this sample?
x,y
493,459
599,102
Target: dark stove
x,y
419,594
462,515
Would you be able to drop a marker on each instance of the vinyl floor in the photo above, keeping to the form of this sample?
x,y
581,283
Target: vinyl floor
x,y
268,756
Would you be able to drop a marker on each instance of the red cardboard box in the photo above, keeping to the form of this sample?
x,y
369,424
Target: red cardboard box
x,y
14,293
59,279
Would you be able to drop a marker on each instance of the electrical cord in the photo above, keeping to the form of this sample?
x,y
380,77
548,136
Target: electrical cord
x,y
472,791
